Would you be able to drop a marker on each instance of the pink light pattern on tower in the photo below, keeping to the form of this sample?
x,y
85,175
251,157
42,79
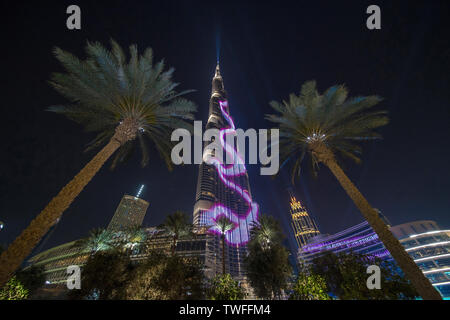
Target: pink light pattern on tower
x,y
238,235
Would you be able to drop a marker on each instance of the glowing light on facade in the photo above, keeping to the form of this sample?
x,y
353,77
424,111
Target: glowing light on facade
x,y
349,243
429,245
429,232
433,257
358,239
441,283
436,270
140,191
239,234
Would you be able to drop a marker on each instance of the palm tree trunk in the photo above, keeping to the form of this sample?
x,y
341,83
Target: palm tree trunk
x,y
22,246
223,255
403,259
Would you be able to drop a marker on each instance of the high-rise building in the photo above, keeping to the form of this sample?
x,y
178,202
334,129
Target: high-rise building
x,y
130,212
303,224
224,190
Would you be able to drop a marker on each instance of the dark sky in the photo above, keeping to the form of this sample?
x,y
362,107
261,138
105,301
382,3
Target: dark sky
x,y
267,50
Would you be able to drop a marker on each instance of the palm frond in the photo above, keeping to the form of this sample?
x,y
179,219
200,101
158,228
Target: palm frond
x,y
334,119
108,87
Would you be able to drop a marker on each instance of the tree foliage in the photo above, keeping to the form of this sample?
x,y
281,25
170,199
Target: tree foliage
x,y
223,225
32,278
23,284
97,240
330,118
346,277
133,238
309,286
224,287
266,230
176,225
106,89
267,264
14,290
164,277
104,276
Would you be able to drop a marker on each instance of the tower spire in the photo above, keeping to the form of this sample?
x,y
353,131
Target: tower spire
x,y
217,74
217,83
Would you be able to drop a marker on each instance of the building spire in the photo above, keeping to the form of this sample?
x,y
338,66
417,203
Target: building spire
x,y
217,83
217,74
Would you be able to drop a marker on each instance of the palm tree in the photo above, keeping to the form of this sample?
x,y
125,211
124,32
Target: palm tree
x,y
222,225
266,231
176,225
267,262
97,240
325,125
133,237
122,101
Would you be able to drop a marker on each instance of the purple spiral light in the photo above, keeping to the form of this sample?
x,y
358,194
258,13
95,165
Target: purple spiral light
x,y
238,235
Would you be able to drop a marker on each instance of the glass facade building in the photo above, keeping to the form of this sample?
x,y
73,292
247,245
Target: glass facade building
x,y
359,239
427,244
56,260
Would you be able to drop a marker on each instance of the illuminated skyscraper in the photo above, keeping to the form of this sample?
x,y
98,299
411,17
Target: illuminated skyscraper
x,y
224,190
303,225
130,212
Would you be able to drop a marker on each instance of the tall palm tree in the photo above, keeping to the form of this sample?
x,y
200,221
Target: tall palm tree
x,y
222,225
325,125
176,225
122,101
266,231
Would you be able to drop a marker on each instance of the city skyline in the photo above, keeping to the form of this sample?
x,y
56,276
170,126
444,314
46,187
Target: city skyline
x,y
40,164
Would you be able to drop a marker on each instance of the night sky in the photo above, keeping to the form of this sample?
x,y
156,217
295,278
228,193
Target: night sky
x,y
267,50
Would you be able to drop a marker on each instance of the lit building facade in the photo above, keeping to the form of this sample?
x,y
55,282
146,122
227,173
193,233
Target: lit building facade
x,y
224,190
130,212
302,224
429,246
56,260
359,239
